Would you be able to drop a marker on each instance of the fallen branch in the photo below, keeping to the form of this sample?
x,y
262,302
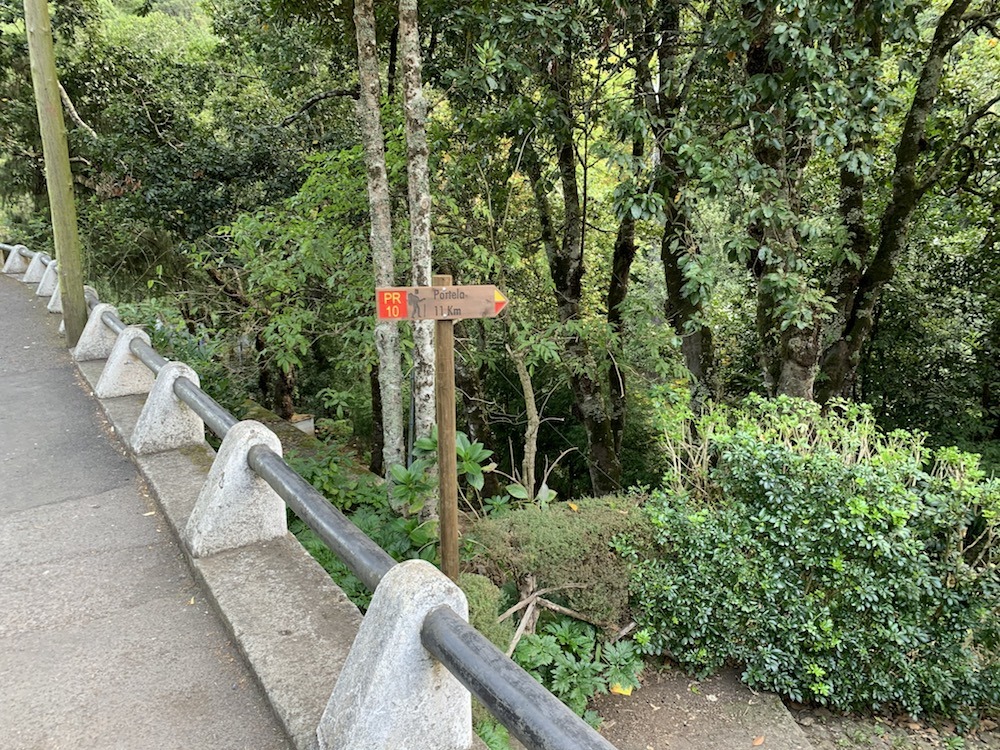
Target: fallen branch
x,y
624,631
530,599
521,628
570,612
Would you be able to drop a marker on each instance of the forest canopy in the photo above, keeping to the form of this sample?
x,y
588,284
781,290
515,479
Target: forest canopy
x,y
716,197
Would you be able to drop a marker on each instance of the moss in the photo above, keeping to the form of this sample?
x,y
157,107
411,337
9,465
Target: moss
x,y
198,456
563,547
485,600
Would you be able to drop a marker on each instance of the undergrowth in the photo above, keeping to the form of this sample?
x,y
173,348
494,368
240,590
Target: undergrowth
x,y
837,564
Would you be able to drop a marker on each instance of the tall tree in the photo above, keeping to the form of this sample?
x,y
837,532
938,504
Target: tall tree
x,y
390,376
813,101
415,109
912,178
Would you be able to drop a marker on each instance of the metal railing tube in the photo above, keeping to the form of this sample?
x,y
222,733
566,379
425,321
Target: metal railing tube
x,y
215,417
361,555
530,712
46,260
111,321
147,355
25,252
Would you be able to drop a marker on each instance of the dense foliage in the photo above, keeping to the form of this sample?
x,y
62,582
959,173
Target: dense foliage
x,y
835,563
752,196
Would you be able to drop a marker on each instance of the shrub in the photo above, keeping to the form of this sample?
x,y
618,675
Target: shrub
x,y
565,546
821,556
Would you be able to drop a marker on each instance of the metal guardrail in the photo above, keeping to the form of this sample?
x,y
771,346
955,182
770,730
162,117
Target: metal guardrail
x,y
531,713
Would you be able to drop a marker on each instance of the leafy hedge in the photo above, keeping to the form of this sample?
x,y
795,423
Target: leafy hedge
x,y
826,558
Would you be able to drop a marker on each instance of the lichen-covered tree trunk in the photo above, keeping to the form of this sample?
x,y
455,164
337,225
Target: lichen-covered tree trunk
x,y
390,376
419,194
789,343
842,358
58,175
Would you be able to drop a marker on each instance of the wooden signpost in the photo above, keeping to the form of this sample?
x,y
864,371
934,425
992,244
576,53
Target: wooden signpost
x,y
444,303
439,302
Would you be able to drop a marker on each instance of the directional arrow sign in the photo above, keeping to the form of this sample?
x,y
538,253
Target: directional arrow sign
x,y
438,302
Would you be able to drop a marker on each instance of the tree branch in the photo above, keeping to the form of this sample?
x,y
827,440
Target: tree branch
x,y
312,101
935,172
73,114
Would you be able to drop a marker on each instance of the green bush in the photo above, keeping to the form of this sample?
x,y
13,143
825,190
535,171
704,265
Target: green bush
x,y
566,546
362,498
821,555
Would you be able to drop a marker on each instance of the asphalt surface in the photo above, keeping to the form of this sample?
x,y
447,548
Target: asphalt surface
x,y
105,639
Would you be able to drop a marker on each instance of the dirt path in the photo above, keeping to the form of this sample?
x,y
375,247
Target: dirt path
x,y
675,712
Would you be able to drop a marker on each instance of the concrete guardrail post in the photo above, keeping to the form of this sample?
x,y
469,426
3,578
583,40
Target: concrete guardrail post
x,y
35,270
16,263
50,280
55,302
166,422
97,340
236,507
89,294
124,374
391,693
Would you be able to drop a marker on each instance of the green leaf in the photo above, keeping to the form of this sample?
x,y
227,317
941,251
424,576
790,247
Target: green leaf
x,y
517,491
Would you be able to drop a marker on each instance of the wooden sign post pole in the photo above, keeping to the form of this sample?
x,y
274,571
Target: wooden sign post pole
x,y
444,303
444,373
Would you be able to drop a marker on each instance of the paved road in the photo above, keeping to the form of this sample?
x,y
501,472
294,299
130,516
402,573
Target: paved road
x,y
105,640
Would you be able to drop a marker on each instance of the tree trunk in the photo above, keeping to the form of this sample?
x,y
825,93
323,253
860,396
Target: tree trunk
x,y
566,268
621,265
789,354
377,463
837,376
683,311
284,394
625,248
390,375
841,359
419,194
533,423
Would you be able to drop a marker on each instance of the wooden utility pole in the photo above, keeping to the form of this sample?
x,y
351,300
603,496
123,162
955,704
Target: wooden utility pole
x,y
444,399
58,177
